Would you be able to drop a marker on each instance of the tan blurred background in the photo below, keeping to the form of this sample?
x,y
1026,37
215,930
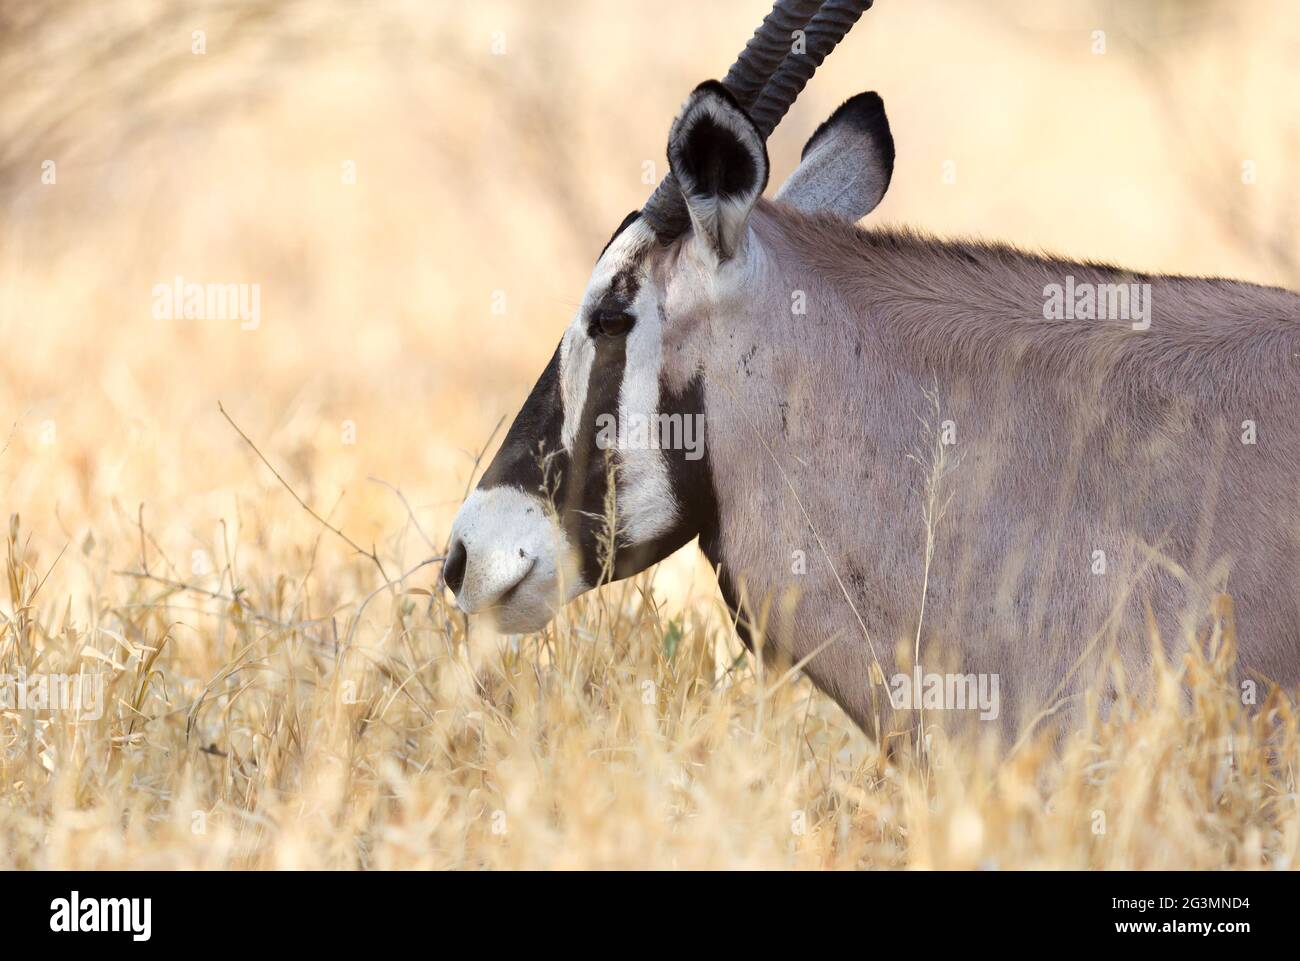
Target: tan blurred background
x,y
495,145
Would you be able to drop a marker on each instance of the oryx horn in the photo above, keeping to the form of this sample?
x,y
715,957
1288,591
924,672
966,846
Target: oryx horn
x,y
765,80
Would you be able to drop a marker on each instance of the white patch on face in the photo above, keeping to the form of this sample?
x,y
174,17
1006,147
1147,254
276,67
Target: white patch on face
x,y
519,566
646,505
645,502
576,349
576,354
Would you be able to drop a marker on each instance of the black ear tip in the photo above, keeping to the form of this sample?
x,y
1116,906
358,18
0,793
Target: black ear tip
x,y
868,111
865,105
864,112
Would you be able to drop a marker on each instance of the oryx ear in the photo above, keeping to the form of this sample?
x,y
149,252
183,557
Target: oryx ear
x,y
846,164
720,161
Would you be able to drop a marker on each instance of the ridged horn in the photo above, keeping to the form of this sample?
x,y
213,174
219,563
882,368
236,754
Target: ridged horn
x,y
767,49
766,79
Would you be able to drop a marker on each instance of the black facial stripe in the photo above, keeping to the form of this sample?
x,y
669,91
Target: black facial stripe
x,y
690,482
697,506
584,492
536,431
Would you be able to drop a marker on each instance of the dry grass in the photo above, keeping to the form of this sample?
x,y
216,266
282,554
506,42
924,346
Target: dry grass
x,y
256,713
237,738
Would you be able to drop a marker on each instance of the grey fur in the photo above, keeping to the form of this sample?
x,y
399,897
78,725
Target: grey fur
x,y
1072,436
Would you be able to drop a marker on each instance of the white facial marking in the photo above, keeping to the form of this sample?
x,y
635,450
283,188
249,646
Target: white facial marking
x,y
576,354
576,349
646,505
519,567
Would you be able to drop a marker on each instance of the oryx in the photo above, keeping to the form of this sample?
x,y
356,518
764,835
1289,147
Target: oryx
x,y
951,453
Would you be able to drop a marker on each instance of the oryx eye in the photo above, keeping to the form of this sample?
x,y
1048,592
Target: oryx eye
x,y
614,323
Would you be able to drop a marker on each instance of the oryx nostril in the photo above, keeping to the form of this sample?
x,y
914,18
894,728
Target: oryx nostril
x,y
453,572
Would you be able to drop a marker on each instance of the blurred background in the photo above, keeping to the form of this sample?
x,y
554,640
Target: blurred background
x,y
419,191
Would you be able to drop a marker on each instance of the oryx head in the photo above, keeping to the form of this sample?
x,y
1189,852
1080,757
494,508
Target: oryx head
x,y
616,426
